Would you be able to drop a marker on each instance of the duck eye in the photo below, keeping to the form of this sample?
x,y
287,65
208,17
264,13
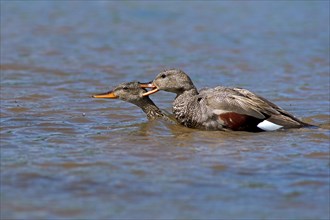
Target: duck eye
x,y
163,75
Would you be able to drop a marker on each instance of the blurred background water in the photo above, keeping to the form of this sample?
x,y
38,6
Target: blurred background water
x,y
66,155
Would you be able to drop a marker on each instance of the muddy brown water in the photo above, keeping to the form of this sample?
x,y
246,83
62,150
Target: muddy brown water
x,y
66,155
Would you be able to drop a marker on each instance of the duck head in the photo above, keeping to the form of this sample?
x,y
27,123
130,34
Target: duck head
x,y
172,80
130,92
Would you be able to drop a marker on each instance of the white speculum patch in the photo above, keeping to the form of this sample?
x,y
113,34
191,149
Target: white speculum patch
x,y
268,126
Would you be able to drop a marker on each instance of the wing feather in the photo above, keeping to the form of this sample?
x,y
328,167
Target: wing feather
x,y
240,101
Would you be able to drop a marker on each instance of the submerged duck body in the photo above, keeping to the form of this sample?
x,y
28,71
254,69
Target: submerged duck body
x,y
221,108
132,92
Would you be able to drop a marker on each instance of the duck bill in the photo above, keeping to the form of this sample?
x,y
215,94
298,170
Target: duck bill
x,y
147,85
150,92
150,85
107,95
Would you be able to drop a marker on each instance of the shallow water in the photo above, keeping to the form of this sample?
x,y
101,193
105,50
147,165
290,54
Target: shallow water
x,y
66,155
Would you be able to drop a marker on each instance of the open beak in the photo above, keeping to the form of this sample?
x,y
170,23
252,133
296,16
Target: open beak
x,y
107,95
150,85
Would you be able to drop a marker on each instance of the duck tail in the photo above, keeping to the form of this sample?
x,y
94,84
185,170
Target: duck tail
x,y
288,121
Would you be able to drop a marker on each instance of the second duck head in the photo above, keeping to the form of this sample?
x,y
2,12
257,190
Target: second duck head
x,y
172,80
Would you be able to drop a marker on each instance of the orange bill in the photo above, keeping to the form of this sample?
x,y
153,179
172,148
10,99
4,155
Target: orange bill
x,y
107,95
151,92
149,85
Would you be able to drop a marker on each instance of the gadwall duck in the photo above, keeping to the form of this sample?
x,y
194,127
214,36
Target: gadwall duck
x,y
132,92
221,108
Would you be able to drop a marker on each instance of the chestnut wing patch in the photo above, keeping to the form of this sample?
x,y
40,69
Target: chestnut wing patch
x,y
239,122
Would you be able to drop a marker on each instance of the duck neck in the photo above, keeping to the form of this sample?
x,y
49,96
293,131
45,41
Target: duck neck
x,y
181,100
188,93
149,107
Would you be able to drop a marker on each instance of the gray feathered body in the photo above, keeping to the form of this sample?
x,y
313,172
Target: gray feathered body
x,y
223,108
190,110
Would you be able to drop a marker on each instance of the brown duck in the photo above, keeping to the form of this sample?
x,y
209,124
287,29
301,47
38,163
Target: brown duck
x,y
133,92
221,108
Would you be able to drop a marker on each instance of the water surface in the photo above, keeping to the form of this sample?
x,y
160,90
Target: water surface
x,y
66,155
